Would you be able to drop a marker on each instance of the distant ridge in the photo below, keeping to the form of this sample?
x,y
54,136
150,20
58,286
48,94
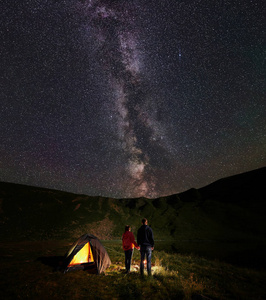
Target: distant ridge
x,y
251,179
238,187
231,208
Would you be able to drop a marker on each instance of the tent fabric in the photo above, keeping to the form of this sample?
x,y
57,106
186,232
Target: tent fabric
x,y
99,261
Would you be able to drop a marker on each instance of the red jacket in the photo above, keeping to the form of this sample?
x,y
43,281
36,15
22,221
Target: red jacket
x,y
128,241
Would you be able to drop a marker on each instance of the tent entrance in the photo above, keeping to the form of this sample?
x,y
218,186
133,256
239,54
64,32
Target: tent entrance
x,y
83,256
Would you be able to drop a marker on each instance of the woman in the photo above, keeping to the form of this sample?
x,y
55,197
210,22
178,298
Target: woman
x,y
129,243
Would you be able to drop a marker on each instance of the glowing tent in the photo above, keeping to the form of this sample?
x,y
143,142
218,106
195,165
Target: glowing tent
x,y
87,253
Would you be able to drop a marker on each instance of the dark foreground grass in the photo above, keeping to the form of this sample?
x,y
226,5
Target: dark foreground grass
x,y
26,274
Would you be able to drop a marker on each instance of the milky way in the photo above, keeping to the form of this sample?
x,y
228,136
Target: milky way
x,y
131,98
118,48
120,55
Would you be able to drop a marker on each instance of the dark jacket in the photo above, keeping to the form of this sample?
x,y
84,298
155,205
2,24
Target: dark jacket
x,y
145,236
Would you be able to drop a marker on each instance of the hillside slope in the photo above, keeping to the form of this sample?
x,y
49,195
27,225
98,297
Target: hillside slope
x,y
233,208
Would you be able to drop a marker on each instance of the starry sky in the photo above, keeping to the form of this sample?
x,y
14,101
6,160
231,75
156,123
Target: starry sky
x,y
131,98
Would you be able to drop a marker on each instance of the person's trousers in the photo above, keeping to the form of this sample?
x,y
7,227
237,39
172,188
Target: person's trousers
x,y
128,257
145,252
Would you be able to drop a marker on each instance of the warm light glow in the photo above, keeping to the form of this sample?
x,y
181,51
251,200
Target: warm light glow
x,y
83,256
145,262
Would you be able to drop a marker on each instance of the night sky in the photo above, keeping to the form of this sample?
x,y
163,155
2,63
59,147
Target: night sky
x,y
131,98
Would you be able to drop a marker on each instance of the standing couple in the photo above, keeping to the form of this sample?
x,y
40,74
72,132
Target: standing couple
x,y
145,243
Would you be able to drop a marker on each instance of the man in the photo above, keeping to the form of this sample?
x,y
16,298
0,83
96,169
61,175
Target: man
x,y
146,242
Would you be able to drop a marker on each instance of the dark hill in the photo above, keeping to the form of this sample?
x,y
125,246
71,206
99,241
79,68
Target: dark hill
x,y
232,208
249,186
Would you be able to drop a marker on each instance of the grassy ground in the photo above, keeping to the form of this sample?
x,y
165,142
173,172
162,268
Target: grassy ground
x,y
24,275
